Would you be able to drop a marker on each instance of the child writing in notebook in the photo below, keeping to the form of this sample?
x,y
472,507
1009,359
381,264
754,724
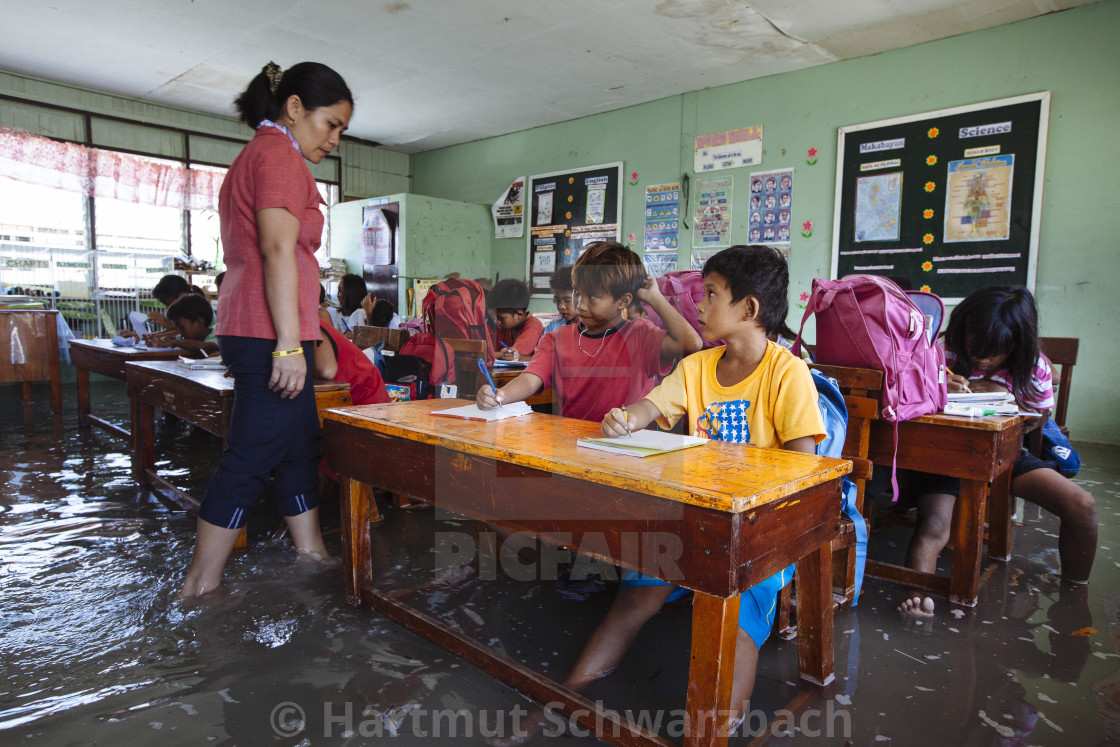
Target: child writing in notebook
x,y
991,342
750,390
193,316
604,360
517,331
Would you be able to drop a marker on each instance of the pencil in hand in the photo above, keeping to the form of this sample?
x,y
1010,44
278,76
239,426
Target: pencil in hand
x,y
626,419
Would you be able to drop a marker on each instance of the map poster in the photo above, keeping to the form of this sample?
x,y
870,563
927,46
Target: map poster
x,y
878,207
663,210
977,199
712,226
771,207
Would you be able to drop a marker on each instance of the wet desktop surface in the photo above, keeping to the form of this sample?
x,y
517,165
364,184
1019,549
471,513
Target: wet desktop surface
x,y
95,651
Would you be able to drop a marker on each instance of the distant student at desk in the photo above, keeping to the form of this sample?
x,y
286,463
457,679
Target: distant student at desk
x,y
516,330
561,285
991,342
750,390
351,292
604,360
193,316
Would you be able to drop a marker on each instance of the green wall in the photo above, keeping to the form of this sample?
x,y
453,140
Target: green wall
x,y
1073,54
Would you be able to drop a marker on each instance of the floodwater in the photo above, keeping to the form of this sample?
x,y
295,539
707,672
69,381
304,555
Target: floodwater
x,y
94,651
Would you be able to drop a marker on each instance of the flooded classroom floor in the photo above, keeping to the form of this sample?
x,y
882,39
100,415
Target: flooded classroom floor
x,y
95,652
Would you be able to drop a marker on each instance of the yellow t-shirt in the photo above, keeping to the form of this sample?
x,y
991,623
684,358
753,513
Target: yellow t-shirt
x,y
776,404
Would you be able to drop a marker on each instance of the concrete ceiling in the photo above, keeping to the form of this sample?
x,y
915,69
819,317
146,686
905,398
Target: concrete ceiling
x,y
432,73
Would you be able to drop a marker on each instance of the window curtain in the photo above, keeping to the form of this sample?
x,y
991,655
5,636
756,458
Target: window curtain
x,y
104,173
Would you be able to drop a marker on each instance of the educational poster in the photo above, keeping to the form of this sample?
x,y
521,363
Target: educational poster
x,y
976,199
663,208
699,258
377,237
712,225
948,201
659,263
509,211
568,210
730,149
878,207
771,207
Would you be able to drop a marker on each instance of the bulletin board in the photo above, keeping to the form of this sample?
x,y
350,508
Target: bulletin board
x,y
567,211
950,200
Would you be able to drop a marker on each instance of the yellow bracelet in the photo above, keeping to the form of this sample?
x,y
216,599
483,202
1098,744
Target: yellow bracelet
x,y
282,353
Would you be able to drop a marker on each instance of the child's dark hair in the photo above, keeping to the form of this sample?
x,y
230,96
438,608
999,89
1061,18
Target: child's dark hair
x,y
352,289
191,307
381,313
561,280
509,295
169,288
322,294
609,267
316,85
995,321
219,278
758,271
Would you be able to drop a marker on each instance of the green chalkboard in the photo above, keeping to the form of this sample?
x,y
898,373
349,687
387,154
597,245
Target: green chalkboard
x,y
567,211
948,200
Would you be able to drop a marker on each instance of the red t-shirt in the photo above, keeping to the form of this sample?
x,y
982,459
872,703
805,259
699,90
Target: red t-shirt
x,y
268,173
527,338
354,368
593,374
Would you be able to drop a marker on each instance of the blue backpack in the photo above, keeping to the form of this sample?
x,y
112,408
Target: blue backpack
x,y
835,415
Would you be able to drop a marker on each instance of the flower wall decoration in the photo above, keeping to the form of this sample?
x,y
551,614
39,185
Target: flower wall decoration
x,y
927,213
568,215
633,178
927,239
925,289
807,228
930,186
931,160
927,266
933,132
630,239
811,156
802,300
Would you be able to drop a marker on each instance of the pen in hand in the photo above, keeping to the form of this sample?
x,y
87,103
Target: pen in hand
x,y
626,419
486,373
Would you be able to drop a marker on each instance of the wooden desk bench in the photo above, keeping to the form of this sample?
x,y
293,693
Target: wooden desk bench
x,y
30,345
103,357
740,514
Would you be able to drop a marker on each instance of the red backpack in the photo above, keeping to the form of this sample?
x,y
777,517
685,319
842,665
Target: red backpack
x,y
437,353
683,290
456,309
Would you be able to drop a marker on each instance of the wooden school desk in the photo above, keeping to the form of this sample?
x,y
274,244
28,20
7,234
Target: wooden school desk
x,y
976,450
739,513
103,357
202,398
30,351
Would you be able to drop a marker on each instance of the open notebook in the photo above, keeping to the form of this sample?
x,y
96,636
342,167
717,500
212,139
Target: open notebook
x,y
642,443
472,412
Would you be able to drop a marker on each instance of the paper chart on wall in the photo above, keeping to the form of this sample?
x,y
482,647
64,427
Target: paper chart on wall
x,y
977,199
771,206
878,207
712,227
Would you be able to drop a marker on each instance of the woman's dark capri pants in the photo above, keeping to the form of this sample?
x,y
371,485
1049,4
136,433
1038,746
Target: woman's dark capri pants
x,y
267,434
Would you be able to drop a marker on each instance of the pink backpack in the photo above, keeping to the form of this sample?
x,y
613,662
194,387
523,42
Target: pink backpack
x,y
683,290
867,321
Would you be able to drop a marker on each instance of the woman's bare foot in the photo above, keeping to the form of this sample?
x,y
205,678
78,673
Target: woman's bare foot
x,y
917,607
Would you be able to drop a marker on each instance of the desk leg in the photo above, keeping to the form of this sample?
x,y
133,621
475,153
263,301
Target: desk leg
x,y
999,518
968,540
715,627
143,440
357,565
815,657
82,375
56,382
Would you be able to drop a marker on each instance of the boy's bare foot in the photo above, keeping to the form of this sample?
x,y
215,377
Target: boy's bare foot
x,y
916,607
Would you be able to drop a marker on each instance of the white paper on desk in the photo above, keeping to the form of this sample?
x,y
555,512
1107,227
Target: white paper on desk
x,y
499,363
139,322
472,412
642,443
981,398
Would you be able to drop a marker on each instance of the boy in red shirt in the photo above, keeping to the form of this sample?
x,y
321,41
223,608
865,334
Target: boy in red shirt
x,y
517,330
605,360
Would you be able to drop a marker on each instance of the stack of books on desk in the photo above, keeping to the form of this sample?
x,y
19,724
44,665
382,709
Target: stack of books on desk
x,y
978,404
202,364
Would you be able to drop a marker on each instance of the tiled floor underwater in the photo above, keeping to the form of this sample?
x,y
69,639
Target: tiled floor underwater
x,y
94,652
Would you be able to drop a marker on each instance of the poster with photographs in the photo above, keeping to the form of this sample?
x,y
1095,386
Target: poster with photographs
x,y
771,207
